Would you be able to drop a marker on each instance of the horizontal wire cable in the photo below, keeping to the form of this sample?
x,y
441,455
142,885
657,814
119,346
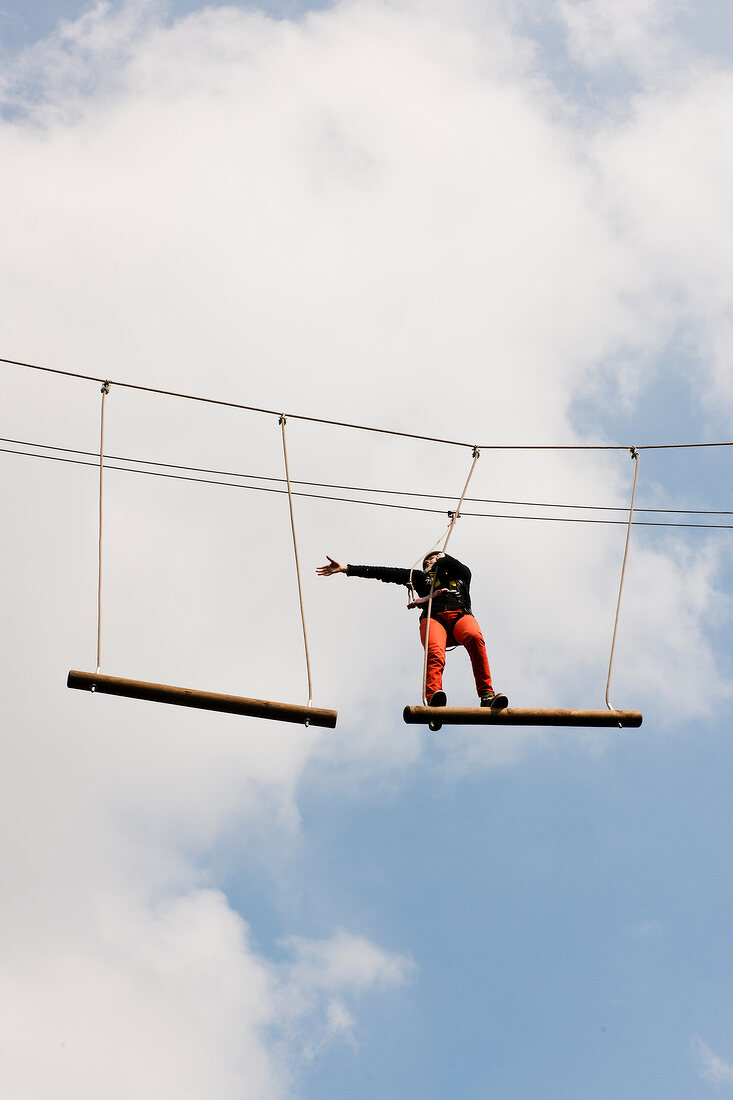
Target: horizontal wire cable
x,y
370,503
369,489
362,427
237,405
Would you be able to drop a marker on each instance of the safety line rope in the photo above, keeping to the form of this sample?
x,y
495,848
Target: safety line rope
x,y
105,391
297,563
399,507
635,457
449,532
457,513
349,488
338,485
411,592
365,427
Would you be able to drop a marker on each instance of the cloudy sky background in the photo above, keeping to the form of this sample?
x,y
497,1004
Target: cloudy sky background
x,y
494,222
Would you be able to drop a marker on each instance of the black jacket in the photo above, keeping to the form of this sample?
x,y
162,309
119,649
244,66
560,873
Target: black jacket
x,y
450,573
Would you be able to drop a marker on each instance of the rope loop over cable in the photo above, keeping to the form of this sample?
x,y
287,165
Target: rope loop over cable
x,y
633,451
282,422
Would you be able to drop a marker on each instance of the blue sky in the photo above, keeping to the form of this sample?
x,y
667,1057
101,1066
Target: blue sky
x,y
506,222
23,24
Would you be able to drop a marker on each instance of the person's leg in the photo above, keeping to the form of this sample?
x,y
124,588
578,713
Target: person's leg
x,y
468,634
436,655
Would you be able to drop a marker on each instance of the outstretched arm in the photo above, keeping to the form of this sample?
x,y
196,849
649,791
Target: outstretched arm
x,y
331,568
376,572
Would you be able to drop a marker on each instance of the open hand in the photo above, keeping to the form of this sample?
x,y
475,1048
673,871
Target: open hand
x,y
332,567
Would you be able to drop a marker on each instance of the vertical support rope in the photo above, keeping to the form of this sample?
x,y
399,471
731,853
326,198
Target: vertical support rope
x,y
476,456
105,391
297,564
635,456
451,525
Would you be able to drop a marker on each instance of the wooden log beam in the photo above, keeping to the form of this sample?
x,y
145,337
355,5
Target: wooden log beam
x,y
519,716
202,700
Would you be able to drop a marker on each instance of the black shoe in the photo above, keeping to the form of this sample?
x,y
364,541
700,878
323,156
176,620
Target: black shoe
x,y
437,699
496,702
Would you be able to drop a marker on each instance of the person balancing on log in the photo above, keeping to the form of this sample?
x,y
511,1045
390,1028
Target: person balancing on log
x,y
450,621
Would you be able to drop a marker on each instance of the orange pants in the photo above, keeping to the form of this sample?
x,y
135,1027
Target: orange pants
x,y
466,632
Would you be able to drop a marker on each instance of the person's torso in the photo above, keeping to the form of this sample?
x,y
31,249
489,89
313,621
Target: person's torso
x,y
452,591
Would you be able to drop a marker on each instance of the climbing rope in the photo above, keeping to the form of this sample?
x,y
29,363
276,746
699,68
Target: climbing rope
x,y
297,563
456,514
635,456
454,517
105,391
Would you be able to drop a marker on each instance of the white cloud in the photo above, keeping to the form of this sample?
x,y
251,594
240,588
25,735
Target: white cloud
x,y
322,974
155,1000
667,173
82,55
170,998
378,214
345,960
712,1067
636,33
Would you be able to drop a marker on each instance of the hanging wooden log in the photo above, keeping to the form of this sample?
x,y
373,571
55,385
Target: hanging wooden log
x,y
202,700
519,716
